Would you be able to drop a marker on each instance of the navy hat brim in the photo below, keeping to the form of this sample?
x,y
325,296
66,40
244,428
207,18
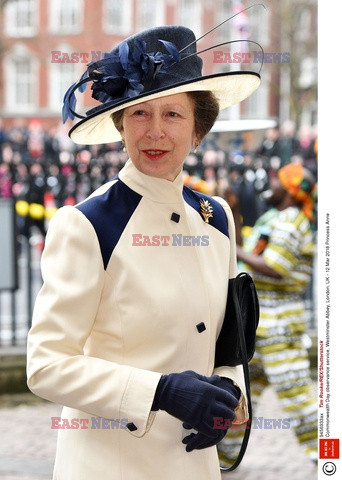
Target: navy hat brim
x,y
229,88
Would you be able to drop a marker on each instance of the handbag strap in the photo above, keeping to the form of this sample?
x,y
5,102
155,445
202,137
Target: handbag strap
x,y
247,384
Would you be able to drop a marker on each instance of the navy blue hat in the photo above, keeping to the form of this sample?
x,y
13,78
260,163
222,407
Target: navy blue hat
x,y
154,63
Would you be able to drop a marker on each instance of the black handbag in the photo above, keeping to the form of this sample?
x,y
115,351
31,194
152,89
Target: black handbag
x,y
236,342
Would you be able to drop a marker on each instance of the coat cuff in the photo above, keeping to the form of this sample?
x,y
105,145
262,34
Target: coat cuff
x,y
137,401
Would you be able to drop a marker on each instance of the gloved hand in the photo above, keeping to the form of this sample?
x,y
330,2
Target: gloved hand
x,y
194,399
198,441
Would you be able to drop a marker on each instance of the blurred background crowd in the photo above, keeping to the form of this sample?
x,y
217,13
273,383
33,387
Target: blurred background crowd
x,y
42,169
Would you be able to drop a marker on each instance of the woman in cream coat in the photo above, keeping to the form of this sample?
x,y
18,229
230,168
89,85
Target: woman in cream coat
x,y
135,280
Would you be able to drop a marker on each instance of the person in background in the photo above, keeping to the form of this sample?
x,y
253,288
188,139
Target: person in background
x,y
3,137
246,194
270,145
288,144
279,255
136,277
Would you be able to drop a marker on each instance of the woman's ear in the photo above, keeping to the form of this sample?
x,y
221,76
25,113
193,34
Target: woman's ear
x,y
123,144
195,140
195,145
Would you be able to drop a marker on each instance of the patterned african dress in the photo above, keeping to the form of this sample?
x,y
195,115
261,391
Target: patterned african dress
x,y
285,240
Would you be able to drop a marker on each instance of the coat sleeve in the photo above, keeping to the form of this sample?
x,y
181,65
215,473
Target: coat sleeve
x,y
234,373
64,314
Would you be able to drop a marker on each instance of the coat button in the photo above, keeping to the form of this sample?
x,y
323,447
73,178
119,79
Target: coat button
x,y
201,327
175,217
131,427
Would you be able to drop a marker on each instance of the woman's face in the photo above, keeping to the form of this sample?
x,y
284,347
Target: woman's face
x,y
278,192
159,134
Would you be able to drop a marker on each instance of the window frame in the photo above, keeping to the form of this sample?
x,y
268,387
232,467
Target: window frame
x,y
11,83
11,15
55,9
125,27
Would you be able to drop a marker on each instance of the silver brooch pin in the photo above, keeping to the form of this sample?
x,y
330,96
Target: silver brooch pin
x,y
206,210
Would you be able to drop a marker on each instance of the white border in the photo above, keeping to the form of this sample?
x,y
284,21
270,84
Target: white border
x,y
330,190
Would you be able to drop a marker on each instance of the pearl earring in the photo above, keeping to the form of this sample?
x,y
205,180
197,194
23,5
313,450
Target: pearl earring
x,y
196,145
124,146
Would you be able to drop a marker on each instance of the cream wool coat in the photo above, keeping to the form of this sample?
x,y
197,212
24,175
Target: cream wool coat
x,y
113,315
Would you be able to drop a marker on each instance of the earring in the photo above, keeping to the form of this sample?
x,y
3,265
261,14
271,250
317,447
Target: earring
x,y
196,145
124,146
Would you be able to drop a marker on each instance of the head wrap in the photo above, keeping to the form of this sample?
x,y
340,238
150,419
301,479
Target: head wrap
x,y
292,178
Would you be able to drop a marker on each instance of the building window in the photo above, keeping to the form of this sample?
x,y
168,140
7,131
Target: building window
x,y
224,11
150,14
66,16
62,76
21,83
116,19
21,18
257,25
189,14
256,105
308,72
304,29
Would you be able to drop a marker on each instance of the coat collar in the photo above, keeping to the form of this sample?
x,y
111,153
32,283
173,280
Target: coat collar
x,y
156,189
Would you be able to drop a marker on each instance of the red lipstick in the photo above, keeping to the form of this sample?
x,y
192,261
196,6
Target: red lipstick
x,y
155,153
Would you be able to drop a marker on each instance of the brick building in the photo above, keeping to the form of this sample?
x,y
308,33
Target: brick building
x,y
45,45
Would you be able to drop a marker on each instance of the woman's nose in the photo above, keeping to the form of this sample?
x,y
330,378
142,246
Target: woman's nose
x,y
155,129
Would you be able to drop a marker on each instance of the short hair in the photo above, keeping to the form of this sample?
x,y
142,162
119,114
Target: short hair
x,y
206,110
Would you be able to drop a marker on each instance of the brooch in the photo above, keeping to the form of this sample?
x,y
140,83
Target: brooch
x,y
206,210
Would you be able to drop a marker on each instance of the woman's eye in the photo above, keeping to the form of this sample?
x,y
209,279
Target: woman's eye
x,y
173,114
139,112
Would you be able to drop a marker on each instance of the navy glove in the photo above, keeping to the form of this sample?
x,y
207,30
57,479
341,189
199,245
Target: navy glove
x,y
198,441
194,399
